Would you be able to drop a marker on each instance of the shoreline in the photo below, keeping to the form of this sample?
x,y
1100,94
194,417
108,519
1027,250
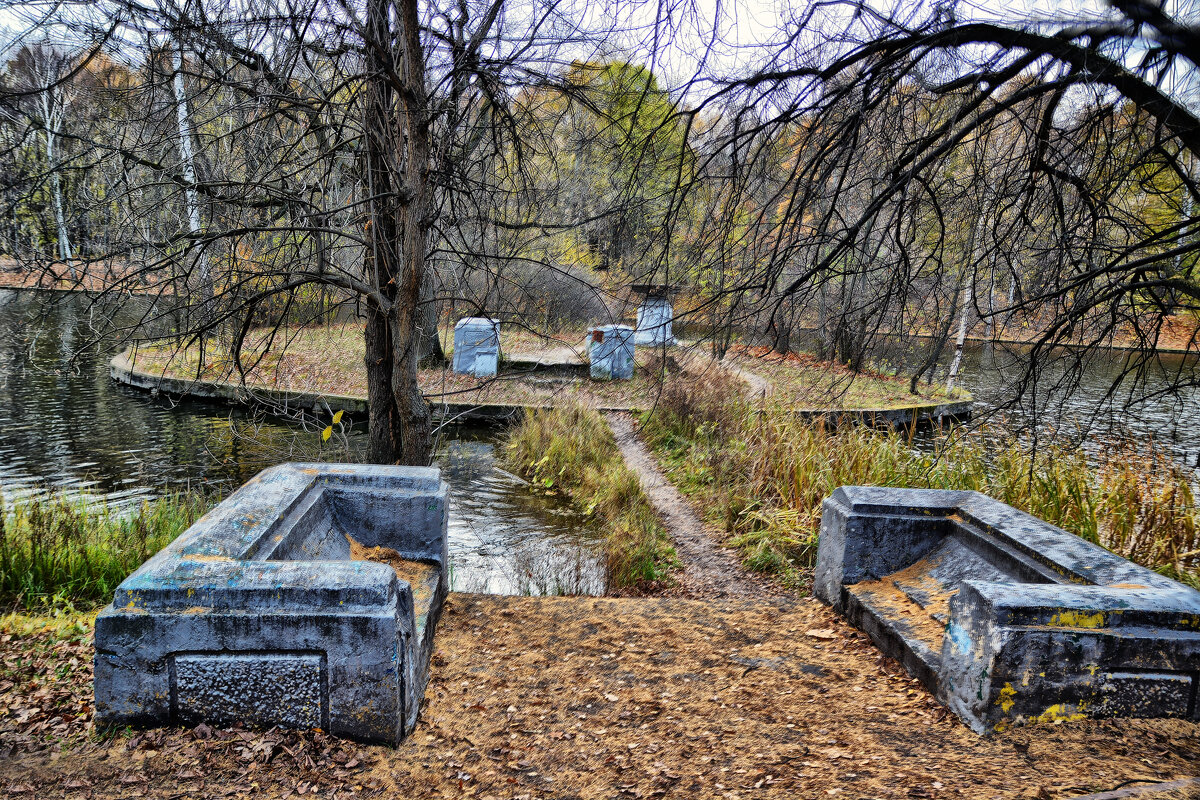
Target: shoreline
x,y
122,370
1116,348
110,291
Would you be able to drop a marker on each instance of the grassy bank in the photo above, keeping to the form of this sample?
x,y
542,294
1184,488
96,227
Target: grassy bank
x,y
572,450
328,360
810,383
63,552
762,473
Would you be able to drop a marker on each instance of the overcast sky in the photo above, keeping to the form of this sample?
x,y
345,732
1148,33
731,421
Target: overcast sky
x,y
688,46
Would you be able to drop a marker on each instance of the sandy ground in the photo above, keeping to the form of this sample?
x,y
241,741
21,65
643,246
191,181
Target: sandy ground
x,y
607,698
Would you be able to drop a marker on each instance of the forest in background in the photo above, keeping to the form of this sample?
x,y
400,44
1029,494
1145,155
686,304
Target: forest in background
x,y
870,186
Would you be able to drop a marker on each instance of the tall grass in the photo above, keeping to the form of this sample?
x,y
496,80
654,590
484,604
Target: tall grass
x,y
57,551
762,473
572,450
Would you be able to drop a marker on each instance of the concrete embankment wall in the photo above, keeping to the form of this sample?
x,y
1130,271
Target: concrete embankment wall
x,y
285,403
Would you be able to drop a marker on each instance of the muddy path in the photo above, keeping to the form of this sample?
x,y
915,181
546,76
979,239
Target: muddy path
x,y
709,569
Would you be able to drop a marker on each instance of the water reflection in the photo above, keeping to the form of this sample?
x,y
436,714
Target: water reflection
x,y
505,539
64,424
1095,398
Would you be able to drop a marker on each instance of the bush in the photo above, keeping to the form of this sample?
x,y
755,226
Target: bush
x,y
762,472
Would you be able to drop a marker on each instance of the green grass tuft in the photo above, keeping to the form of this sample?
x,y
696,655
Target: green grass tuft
x,y
58,552
572,450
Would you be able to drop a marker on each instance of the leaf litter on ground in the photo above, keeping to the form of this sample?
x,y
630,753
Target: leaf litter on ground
x,y
593,698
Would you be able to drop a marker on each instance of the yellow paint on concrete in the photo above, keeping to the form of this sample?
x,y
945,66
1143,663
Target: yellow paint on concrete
x,y
1062,712
1077,619
1006,701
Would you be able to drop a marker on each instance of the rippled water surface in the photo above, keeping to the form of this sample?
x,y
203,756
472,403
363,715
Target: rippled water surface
x,y
1110,399
65,424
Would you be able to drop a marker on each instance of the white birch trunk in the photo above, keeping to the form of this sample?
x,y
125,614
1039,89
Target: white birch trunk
x,y
968,301
191,199
50,118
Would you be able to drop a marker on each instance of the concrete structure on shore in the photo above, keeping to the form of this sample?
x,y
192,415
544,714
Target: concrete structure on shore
x,y
477,346
1005,618
258,614
610,349
654,318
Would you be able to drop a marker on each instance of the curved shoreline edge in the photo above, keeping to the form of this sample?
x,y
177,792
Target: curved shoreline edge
x,y
282,401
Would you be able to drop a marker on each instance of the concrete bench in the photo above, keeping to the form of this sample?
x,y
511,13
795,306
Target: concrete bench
x,y
610,352
476,347
1005,618
259,614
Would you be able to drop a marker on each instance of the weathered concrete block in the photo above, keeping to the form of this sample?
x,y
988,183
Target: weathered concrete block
x,y
654,322
1004,617
477,346
610,349
257,614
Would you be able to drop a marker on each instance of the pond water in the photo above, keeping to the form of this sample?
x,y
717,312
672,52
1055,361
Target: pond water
x,y
1093,399
65,425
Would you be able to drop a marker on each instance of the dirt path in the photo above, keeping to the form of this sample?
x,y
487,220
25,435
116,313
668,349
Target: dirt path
x,y
709,570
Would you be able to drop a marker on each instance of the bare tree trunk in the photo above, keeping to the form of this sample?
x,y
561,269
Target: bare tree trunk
x,y
781,327
64,238
203,276
396,155
968,301
991,301
822,324
429,345
385,435
60,220
1188,206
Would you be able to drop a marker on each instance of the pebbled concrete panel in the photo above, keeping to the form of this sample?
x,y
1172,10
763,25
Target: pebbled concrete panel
x,y
243,602
1007,619
258,689
477,346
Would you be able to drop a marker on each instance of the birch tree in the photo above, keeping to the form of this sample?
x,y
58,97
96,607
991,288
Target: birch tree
x,y
43,73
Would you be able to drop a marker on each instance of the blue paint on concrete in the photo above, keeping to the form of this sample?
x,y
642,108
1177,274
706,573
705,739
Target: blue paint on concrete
x,y
1035,623
654,319
477,346
611,351
264,581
